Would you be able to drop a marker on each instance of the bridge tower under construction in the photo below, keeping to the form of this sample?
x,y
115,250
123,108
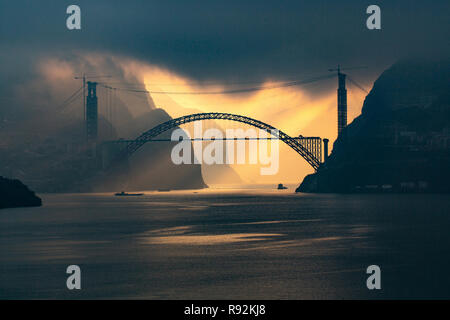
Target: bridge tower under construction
x,y
342,103
91,112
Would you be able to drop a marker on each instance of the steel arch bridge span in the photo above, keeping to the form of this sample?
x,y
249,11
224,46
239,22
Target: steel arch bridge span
x,y
295,143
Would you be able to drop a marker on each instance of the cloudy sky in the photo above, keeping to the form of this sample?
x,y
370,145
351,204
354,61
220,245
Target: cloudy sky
x,y
231,39
217,45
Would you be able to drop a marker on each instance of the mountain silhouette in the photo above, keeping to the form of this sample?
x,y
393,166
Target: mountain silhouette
x,y
401,140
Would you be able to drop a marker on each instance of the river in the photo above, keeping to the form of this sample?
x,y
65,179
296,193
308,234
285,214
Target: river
x,y
251,243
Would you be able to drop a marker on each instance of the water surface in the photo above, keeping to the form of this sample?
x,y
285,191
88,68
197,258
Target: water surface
x,y
227,244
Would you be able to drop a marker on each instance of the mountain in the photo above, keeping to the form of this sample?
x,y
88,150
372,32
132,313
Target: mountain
x,y
49,154
401,140
215,174
151,167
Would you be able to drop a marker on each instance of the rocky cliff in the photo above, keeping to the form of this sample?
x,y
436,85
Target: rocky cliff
x,y
14,193
59,161
151,168
401,140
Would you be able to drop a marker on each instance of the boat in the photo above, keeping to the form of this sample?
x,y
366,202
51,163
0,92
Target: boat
x,y
128,194
281,187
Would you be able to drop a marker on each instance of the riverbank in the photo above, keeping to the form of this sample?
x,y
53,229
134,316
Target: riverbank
x,y
14,193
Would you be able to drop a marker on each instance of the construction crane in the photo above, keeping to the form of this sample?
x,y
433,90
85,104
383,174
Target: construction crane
x,y
84,77
338,69
90,116
232,91
137,88
342,96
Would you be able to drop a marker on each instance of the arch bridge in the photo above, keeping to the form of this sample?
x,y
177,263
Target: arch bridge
x,y
310,148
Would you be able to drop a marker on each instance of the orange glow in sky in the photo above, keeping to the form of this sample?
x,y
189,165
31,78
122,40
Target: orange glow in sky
x,y
289,109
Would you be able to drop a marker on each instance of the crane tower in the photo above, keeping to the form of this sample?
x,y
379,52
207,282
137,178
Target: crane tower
x,y
342,102
91,112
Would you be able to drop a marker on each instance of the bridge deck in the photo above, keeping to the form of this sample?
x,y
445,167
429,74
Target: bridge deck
x,y
310,148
